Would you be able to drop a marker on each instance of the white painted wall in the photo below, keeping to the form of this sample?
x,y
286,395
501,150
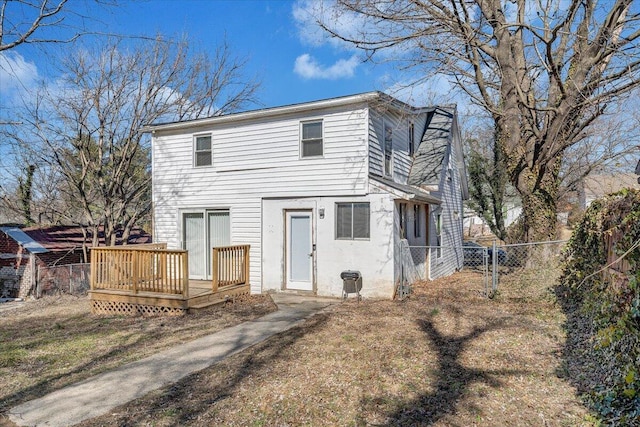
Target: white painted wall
x,y
372,257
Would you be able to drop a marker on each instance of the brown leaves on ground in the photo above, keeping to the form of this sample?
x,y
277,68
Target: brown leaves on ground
x,y
447,356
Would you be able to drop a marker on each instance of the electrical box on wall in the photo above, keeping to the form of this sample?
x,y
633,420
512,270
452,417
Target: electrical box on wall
x,y
321,213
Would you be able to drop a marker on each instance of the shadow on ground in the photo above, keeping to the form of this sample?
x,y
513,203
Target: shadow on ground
x,y
452,378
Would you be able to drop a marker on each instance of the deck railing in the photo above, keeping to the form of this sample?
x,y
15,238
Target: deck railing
x,y
140,268
230,266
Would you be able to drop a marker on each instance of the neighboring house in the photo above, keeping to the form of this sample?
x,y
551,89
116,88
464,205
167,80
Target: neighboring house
x,y
316,189
24,250
475,225
597,186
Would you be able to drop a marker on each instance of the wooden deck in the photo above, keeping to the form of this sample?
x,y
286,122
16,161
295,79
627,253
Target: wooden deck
x,y
152,280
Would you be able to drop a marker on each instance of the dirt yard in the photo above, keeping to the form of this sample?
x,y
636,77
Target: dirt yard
x,y
447,356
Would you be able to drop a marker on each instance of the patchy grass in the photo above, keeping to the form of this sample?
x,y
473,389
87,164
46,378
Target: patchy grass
x,y
55,341
446,356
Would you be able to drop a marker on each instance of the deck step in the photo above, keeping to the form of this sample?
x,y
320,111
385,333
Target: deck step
x,y
205,305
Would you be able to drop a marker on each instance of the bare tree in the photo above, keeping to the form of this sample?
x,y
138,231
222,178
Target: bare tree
x,y
41,21
545,71
610,147
88,125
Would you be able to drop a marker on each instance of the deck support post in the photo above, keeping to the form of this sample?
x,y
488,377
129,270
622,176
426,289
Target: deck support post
x,y
214,272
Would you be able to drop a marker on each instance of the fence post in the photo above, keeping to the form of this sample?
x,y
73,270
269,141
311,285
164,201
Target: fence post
x,y
38,281
494,267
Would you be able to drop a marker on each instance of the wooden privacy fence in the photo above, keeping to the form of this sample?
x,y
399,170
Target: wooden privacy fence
x,y
140,268
230,266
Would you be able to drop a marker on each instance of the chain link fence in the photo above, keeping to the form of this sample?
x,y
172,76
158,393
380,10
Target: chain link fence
x,y
519,270
63,279
526,270
424,263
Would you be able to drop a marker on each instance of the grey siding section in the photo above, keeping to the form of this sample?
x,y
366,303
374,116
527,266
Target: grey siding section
x,y
399,122
252,160
430,157
452,215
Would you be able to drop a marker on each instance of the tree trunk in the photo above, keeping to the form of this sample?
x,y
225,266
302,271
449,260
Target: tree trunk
x,y
538,191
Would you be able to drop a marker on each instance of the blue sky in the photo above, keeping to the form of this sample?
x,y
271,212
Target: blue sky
x,y
294,61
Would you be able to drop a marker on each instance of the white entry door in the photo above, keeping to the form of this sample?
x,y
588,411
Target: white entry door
x,y
299,250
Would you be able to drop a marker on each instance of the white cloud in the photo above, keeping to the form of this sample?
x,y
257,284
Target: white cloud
x,y
307,14
307,67
16,74
310,15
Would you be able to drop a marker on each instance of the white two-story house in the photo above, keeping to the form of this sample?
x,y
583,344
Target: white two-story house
x,y
316,189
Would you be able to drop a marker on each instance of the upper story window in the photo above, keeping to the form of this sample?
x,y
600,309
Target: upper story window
x,y
412,146
387,149
311,139
202,150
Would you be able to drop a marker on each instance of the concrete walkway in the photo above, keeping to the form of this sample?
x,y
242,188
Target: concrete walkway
x,y
100,394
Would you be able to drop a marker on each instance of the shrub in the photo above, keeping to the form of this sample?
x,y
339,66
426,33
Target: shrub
x,y
604,295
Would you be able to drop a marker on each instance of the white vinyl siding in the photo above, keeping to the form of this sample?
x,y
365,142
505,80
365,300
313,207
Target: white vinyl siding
x,y
353,221
311,139
254,160
203,152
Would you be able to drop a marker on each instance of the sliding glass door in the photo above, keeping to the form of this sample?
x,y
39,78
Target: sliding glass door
x,y
201,231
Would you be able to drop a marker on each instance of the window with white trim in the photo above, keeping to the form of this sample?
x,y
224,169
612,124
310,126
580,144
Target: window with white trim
x,y
311,139
439,235
387,149
202,153
412,147
352,221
